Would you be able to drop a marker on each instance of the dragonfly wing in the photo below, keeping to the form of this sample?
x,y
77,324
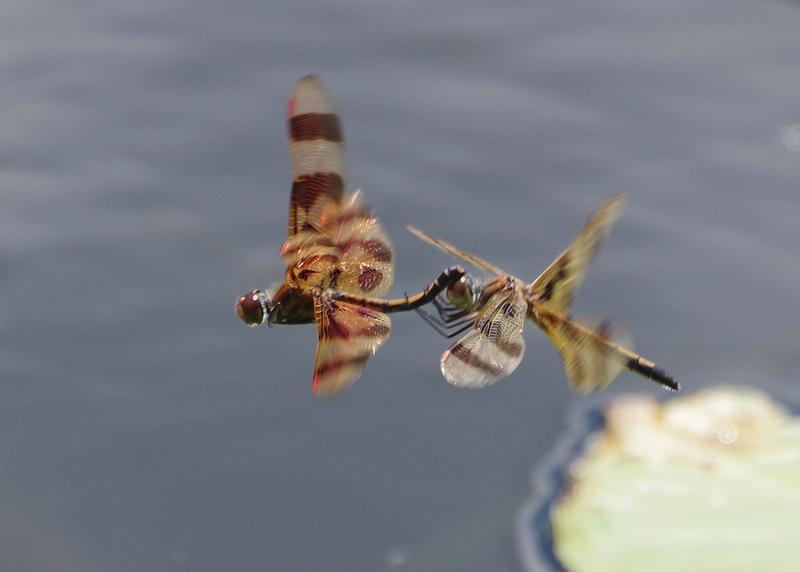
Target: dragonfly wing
x,y
493,348
591,354
366,259
558,283
475,261
348,336
317,151
309,245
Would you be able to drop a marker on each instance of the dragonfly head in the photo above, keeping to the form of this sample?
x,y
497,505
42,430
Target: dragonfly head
x,y
463,292
281,304
254,308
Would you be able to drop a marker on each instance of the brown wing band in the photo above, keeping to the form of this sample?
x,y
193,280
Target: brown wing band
x,y
468,357
309,126
308,189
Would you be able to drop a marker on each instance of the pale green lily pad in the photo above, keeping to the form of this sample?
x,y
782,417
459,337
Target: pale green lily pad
x,y
706,483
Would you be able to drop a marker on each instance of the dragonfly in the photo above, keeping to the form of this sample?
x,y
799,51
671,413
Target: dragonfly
x,y
493,315
339,261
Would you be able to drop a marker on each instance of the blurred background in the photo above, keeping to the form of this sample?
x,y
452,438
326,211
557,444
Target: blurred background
x,y
144,185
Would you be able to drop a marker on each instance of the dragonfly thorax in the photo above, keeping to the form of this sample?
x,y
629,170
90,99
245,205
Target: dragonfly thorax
x,y
311,262
313,272
290,305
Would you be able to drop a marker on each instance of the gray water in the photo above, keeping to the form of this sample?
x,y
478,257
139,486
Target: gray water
x,y
144,181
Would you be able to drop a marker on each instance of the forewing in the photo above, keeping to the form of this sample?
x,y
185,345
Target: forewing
x,y
309,244
589,352
366,259
493,348
558,283
317,151
348,336
475,261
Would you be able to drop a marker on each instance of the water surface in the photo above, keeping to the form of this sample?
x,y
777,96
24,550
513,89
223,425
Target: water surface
x,y
145,180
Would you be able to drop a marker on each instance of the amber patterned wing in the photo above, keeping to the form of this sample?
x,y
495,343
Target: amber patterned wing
x,y
365,256
592,355
317,151
311,246
558,283
348,336
475,261
493,348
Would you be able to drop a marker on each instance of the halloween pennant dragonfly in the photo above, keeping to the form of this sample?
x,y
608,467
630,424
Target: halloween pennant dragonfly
x,y
338,259
492,315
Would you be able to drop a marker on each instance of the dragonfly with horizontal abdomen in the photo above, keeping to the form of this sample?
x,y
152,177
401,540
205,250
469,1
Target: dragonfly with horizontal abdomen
x,y
339,261
493,315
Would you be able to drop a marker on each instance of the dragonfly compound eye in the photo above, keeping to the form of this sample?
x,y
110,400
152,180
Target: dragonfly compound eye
x,y
252,308
462,293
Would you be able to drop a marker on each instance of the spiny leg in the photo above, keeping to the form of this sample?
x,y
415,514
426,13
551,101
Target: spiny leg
x,y
468,318
444,330
450,316
449,312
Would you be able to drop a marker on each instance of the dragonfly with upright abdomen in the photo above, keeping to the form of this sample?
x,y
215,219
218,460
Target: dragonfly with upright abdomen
x,y
493,314
339,261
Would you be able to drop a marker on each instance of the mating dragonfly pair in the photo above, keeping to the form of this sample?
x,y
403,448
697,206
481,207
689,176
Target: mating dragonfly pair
x,y
339,263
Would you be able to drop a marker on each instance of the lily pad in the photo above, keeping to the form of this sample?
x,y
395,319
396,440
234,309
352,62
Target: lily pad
x,y
708,482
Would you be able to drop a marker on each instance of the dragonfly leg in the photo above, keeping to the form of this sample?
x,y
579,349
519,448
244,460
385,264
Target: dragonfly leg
x,y
443,330
447,324
447,311
447,329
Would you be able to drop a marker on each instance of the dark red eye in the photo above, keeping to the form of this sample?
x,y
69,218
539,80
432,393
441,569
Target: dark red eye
x,y
250,308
